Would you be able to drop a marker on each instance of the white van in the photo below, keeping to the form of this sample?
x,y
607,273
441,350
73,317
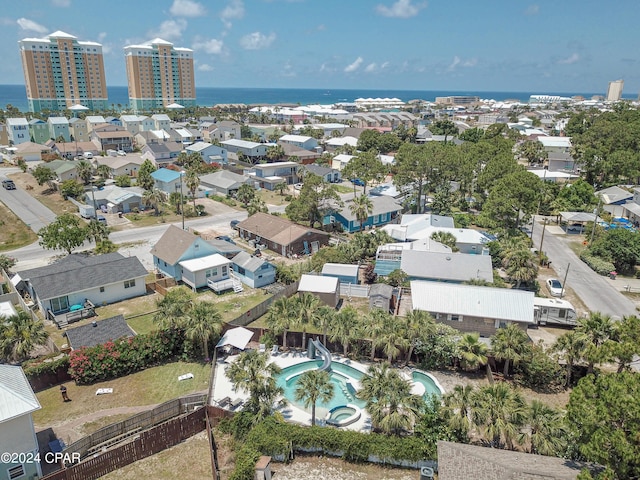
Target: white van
x,y
87,155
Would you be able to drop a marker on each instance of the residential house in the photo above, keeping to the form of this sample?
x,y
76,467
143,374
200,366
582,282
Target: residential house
x,y
17,432
222,131
224,182
330,175
281,235
385,210
63,169
555,144
327,289
411,226
268,175
111,137
30,152
93,121
471,308
300,155
72,280
99,333
135,124
196,272
38,131
253,271
141,139
113,121
301,141
340,160
252,151
73,149
562,162
161,121
613,199
18,131
381,296
116,199
389,255
169,181
346,273
333,144
446,267
120,165
79,130
161,154
185,136
177,245
208,152
631,209
330,129
59,128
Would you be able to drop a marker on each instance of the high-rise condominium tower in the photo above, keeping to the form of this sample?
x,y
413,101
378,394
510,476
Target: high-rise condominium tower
x,y
159,75
61,72
614,92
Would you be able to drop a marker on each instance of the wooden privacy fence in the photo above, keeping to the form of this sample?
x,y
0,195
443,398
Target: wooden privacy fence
x,y
256,312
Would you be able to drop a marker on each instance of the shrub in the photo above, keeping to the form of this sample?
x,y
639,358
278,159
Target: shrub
x,y
33,368
597,264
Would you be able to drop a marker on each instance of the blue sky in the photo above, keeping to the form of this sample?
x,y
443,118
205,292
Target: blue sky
x,y
573,46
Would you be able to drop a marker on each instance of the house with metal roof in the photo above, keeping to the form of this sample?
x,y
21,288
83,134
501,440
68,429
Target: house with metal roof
x,y
252,150
253,271
411,226
301,141
471,308
346,273
99,332
168,181
198,272
17,433
111,137
18,130
270,174
327,289
224,182
446,267
161,154
208,152
115,199
385,210
330,175
76,278
389,255
59,127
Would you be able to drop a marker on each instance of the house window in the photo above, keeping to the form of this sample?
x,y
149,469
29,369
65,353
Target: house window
x,y
214,272
454,318
241,271
224,270
59,304
129,283
207,274
16,472
101,289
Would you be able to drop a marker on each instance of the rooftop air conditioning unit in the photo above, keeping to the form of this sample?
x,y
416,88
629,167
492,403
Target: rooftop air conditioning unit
x,y
426,473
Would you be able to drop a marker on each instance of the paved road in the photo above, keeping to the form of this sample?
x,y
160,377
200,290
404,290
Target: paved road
x,y
27,208
596,291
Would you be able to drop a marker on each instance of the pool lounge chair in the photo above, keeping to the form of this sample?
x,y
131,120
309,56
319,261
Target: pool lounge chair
x,y
237,403
275,350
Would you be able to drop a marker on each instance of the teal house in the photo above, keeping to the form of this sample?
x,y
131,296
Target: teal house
x,y
385,210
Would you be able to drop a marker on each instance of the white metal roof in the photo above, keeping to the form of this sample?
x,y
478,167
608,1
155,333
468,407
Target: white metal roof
x,y
202,263
552,302
318,284
471,300
16,396
564,142
7,310
340,269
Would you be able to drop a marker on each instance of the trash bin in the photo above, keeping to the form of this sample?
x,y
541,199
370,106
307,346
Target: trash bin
x,y
613,275
119,214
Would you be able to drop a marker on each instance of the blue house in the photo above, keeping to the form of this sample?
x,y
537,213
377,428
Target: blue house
x,y
168,181
177,245
253,271
385,209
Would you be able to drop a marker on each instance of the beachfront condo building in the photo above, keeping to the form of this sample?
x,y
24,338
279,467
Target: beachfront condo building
x,y
159,75
614,92
61,72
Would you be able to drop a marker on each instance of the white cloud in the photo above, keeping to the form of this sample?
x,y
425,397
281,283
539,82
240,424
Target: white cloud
x,y
102,36
170,29
457,62
205,68
187,8
532,9
233,11
570,60
61,3
384,65
354,66
257,41
372,67
212,46
32,26
401,9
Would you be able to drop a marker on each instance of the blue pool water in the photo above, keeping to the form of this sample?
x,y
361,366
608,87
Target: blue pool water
x,y
342,377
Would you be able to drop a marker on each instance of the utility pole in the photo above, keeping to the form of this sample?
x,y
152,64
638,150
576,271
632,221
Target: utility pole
x,y
544,227
564,282
595,220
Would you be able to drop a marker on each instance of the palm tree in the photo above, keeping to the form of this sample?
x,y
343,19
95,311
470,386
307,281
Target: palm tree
x,y
417,325
192,180
313,386
252,373
446,238
85,170
546,429
345,327
275,153
457,408
19,334
153,198
280,187
393,337
473,351
280,317
307,305
389,400
509,344
104,170
203,323
174,307
323,320
97,231
570,347
521,265
374,325
361,207
596,329
498,411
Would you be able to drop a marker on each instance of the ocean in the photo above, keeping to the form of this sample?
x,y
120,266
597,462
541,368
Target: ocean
x,y
15,95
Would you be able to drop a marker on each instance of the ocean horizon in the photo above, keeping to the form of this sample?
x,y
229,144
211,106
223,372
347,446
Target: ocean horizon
x,y
16,96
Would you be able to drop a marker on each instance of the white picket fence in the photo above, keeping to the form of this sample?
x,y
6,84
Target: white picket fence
x,y
352,290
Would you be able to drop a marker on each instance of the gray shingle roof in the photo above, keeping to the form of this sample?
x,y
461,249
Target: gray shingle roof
x,y
99,332
380,205
173,243
79,272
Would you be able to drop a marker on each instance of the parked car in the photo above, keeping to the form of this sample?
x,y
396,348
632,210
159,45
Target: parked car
x,y
555,287
298,186
226,238
358,182
101,219
8,185
234,223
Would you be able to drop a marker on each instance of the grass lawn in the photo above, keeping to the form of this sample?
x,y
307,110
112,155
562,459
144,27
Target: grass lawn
x,y
343,189
231,304
148,387
13,231
577,247
148,218
272,198
90,427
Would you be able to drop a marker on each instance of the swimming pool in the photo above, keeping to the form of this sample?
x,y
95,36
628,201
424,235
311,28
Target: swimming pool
x,y
346,382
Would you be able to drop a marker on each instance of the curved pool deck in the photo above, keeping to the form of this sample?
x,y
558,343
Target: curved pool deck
x,y
348,372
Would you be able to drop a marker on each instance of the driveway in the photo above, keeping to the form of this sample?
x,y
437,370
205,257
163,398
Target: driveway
x,y
597,292
33,213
